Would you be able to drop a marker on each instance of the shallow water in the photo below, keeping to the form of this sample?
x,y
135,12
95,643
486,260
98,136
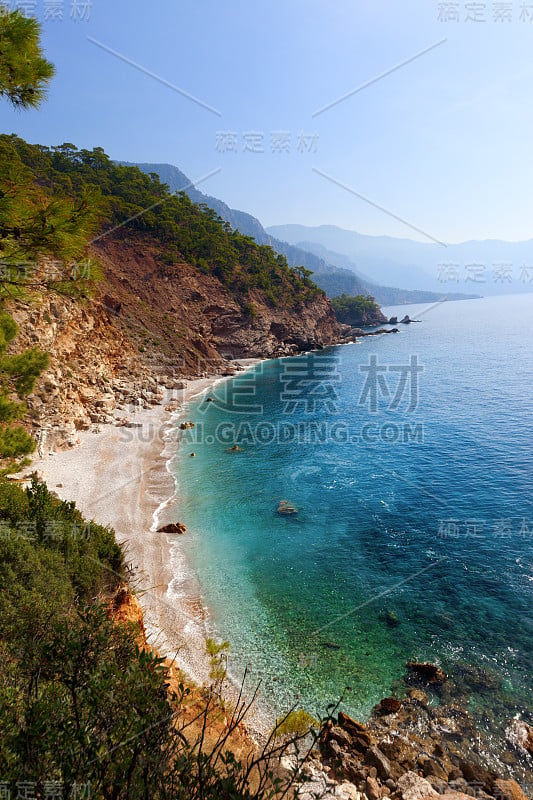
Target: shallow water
x,y
413,538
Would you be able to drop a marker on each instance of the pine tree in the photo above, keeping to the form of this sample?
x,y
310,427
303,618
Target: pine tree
x,y
35,222
24,72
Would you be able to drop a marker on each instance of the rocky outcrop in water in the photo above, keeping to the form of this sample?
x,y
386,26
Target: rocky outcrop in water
x,y
413,752
352,334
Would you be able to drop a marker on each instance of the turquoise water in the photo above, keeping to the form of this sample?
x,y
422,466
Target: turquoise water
x,y
412,541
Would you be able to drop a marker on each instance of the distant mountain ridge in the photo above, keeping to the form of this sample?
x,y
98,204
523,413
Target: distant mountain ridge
x,y
333,278
239,220
488,267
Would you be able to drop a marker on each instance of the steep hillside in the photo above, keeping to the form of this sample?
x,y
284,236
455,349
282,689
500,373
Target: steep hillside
x,y
181,295
182,320
147,327
250,226
333,272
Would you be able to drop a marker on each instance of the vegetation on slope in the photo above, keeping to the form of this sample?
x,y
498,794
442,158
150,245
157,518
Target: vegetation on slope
x,y
127,200
85,708
358,310
34,222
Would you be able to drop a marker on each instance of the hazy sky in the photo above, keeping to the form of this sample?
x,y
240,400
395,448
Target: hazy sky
x,y
444,142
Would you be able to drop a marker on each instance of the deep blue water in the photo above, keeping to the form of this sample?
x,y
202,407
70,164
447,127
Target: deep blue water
x,y
414,535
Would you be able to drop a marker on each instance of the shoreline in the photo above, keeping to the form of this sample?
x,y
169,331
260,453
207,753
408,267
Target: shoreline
x,y
120,476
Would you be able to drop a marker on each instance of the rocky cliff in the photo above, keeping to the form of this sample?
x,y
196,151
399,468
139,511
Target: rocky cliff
x,y
148,326
190,321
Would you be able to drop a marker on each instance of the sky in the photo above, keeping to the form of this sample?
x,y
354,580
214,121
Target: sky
x,y
431,137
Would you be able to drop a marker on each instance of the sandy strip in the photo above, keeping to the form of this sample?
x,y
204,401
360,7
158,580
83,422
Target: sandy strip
x,y
118,476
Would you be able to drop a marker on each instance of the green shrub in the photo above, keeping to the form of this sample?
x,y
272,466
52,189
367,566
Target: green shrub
x,y
296,723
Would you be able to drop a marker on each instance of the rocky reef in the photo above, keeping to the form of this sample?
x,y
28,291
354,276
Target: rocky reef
x,y
424,744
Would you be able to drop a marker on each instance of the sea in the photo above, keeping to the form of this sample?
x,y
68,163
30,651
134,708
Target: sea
x,y
405,463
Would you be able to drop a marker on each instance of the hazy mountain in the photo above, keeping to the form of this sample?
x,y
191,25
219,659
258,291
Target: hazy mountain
x,y
338,282
336,274
498,267
239,220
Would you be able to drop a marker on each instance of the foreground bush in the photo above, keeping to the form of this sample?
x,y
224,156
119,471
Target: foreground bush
x,y
85,708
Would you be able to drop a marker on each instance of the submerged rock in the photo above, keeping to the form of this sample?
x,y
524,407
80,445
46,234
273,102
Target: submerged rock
x,y
418,696
392,619
286,509
390,705
430,673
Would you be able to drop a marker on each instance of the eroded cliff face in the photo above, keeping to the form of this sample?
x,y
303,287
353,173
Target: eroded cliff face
x,y
148,327
189,319
93,367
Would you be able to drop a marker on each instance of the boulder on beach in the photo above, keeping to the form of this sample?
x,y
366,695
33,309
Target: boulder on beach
x,y
185,426
507,790
375,758
352,725
173,527
372,789
413,787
